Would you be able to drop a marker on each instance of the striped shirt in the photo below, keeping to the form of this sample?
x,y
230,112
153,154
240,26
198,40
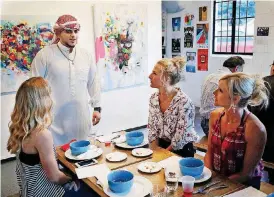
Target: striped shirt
x,y
33,181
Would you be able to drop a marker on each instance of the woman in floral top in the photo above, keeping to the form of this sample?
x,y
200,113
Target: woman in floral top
x,y
236,137
171,112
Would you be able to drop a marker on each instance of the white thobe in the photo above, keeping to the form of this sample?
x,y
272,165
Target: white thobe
x,y
73,86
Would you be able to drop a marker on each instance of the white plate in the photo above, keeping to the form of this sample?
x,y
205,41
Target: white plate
x,y
92,153
141,152
141,187
116,156
125,145
204,177
149,167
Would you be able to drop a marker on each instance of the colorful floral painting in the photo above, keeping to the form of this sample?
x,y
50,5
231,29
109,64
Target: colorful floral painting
x,y
20,42
121,43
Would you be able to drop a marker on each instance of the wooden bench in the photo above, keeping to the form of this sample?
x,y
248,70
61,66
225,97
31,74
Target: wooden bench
x,y
202,146
266,188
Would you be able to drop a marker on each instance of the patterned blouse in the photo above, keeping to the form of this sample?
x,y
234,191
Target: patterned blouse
x,y
228,154
176,124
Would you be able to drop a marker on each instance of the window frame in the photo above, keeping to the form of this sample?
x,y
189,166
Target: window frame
x,y
233,33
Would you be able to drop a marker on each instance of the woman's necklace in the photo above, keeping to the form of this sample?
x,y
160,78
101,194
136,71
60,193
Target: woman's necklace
x,y
71,60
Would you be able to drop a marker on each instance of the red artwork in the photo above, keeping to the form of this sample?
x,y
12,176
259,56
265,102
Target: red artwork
x,y
203,59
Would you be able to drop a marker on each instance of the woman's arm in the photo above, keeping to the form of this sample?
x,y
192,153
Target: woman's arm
x,y
208,156
44,146
255,136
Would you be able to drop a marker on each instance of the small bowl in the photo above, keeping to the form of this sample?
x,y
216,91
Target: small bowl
x,y
120,181
79,147
135,138
191,167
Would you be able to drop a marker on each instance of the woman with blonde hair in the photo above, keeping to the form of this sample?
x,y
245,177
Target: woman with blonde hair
x,y
237,137
37,170
171,112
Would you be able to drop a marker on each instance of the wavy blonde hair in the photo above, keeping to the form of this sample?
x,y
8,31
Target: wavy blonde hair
x,y
251,89
173,68
31,113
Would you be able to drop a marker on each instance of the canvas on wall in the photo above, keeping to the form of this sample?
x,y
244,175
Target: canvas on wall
x,y
176,45
202,59
191,62
188,39
202,35
21,39
203,13
121,45
189,18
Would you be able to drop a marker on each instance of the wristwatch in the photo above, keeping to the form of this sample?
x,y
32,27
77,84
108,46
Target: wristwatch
x,y
99,109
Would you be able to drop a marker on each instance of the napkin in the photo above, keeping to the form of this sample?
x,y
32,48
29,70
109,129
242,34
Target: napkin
x,y
65,147
120,140
107,138
100,171
171,164
247,192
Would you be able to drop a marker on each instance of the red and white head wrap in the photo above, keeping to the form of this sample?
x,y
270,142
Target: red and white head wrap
x,y
62,23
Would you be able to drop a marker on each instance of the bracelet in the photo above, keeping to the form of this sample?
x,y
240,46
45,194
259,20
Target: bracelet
x,y
99,109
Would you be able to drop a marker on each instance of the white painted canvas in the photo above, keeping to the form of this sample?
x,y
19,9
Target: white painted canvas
x,y
121,45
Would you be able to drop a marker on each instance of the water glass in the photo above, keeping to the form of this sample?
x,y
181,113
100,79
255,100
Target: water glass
x,y
188,185
171,181
92,135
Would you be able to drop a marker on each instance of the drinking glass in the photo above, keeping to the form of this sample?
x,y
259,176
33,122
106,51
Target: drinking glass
x,y
171,181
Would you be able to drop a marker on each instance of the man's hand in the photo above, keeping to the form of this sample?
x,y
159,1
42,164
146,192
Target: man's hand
x,y
96,117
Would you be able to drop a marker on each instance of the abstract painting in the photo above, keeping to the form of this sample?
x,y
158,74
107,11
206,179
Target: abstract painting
x,y
21,39
121,45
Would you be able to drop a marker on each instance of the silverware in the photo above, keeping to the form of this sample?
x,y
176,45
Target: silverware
x,y
222,186
202,189
116,137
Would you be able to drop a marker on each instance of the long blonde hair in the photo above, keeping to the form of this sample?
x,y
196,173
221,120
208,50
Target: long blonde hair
x,y
31,113
251,89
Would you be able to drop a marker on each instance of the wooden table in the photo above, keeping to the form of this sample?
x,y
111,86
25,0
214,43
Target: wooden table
x,y
131,164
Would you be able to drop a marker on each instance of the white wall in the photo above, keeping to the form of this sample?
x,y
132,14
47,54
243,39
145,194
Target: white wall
x,y
259,63
122,109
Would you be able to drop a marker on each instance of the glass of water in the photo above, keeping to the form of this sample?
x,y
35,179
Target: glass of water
x,y
171,181
92,135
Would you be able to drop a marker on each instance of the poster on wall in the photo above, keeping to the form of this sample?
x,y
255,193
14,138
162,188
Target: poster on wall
x,y
176,24
21,39
189,18
203,59
191,62
188,38
203,13
262,31
121,52
164,16
176,45
202,35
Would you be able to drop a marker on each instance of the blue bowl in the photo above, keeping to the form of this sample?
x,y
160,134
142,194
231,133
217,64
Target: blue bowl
x,y
120,181
79,147
191,166
135,138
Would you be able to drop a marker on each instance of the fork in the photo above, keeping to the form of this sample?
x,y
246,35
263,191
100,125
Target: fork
x,y
222,186
202,189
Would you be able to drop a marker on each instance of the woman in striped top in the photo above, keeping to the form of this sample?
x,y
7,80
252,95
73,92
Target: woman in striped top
x,y
236,137
37,169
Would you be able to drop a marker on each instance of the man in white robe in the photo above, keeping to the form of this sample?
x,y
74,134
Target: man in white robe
x,y
74,82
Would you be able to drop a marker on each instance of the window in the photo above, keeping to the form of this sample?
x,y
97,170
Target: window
x,y
233,27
